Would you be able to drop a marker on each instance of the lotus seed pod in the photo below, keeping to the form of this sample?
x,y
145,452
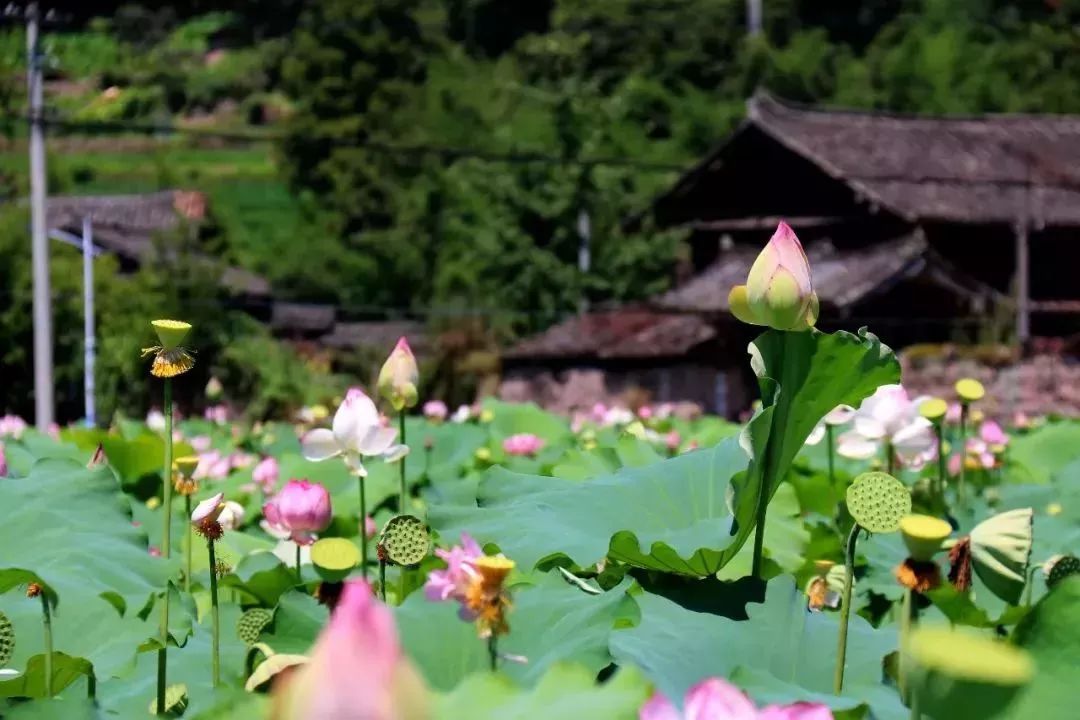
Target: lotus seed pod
x,y
7,640
963,676
923,535
334,558
251,624
1000,550
171,332
405,539
970,390
1063,568
878,501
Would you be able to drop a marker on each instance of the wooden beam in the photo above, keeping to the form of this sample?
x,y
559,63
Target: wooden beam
x,y
765,223
1022,284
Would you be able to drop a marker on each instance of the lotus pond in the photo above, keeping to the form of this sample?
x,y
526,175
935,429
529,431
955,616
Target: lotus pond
x,y
849,552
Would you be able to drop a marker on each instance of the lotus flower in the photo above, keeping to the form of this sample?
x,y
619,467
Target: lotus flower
x,y
212,466
435,410
778,291
522,444
890,416
451,583
839,415
205,517
357,432
302,508
399,377
717,699
232,515
357,670
992,434
266,474
155,420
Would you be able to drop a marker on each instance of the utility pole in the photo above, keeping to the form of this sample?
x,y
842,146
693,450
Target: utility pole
x,y
89,343
43,360
753,17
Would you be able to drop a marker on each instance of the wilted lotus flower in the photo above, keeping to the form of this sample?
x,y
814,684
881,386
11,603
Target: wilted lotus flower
x,y
717,699
357,670
890,416
232,515
266,474
357,432
399,377
435,410
205,517
302,508
452,583
525,444
778,291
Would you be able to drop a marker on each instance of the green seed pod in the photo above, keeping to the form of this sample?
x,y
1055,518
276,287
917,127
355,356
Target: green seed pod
x,y
1063,568
405,540
251,624
878,501
334,558
7,639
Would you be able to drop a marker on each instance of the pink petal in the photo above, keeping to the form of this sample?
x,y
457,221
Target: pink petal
x,y
658,707
716,699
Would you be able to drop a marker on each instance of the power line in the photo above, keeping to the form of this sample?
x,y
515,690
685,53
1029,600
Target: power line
x,y
445,152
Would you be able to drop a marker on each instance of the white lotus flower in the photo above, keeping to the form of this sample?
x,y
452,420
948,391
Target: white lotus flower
x,y
357,433
890,417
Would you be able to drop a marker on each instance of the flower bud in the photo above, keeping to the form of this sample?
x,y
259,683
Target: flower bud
x,y
399,377
778,291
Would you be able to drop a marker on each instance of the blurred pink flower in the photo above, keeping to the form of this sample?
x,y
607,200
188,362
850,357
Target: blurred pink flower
x,y
12,425
154,552
302,508
645,412
717,699
155,420
954,464
599,412
53,431
523,444
435,410
672,440
217,414
3,462
240,460
357,670
266,474
212,466
1022,421
462,414
952,415
200,443
992,434
370,528
451,583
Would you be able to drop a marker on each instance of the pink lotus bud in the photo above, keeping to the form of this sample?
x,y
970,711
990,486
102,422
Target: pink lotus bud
x,y
357,670
992,434
370,528
399,377
717,699
302,508
778,290
435,410
522,444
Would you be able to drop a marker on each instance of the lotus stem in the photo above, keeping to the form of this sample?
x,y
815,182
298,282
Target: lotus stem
x,y
939,428
215,619
189,541
493,651
759,531
906,610
963,456
162,658
890,458
845,608
91,685
363,527
46,624
299,575
382,579
830,452
404,489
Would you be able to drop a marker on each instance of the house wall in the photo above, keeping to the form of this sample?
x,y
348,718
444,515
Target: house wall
x,y
580,386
